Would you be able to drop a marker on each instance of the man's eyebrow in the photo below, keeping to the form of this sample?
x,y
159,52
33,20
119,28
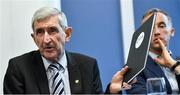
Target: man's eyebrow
x,y
162,22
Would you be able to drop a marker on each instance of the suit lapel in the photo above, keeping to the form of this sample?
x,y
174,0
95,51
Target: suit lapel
x,y
157,71
40,73
74,74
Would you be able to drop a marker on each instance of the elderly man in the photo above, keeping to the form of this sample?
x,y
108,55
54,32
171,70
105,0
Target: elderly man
x,y
52,69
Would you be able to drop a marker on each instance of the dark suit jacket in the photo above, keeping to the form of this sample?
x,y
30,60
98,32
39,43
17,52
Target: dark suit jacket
x,y
151,70
27,74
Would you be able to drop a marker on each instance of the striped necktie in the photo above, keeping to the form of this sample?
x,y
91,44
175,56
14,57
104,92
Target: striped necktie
x,y
57,86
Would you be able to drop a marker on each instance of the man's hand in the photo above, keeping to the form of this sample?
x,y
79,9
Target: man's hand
x,y
117,81
165,59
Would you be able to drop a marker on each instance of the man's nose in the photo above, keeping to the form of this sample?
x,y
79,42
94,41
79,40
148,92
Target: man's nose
x,y
156,31
47,37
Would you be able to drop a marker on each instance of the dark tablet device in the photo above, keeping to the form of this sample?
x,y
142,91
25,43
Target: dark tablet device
x,y
139,48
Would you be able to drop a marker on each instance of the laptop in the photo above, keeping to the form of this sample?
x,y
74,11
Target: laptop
x,y
139,49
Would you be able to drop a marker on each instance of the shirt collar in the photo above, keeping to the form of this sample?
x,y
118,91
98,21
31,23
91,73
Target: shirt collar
x,y
62,61
153,55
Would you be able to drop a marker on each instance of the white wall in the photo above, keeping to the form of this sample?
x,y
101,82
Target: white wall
x,y
15,29
127,17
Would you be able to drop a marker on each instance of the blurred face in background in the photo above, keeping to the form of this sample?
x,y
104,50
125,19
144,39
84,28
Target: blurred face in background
x,y
50,37
162,30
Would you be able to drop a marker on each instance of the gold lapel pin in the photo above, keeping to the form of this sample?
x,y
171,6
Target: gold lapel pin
x,y
76,81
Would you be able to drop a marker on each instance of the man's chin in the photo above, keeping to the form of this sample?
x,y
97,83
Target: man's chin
x,y
157,48
51,57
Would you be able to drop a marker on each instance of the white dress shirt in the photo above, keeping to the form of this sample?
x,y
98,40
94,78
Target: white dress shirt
x,y
65,75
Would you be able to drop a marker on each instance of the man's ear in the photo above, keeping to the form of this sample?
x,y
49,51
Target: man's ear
x,y
68,32
33,37
172,32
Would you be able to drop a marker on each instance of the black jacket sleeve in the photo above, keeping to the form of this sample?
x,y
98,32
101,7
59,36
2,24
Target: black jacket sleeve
x,y
108,90
13,82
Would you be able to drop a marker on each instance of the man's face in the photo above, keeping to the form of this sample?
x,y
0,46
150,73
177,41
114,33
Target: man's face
x,y
162,30
50,37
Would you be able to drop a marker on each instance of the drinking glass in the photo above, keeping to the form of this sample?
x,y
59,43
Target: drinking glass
x,y
156,86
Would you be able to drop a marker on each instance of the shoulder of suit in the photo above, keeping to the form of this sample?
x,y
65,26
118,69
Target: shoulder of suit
x,y
25,56
80,56
84,61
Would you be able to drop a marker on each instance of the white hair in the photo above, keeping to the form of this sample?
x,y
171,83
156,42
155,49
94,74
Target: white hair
x,y
46,12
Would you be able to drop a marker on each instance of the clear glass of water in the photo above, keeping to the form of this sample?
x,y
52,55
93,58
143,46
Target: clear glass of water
x,y
156,86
